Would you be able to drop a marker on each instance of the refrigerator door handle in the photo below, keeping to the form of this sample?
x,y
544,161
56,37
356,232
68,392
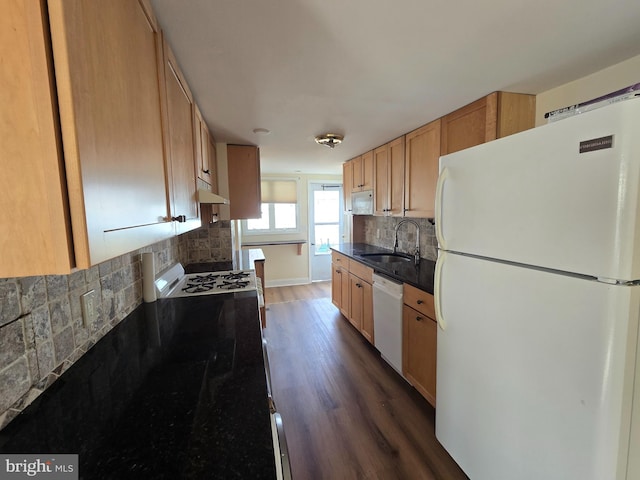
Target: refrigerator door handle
x,y
444,174
437,290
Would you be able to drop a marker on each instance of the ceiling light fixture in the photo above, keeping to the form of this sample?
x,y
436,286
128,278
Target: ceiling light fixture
x,y
329,139
261,131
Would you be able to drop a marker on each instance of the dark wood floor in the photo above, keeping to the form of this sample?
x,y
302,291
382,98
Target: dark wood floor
x,y
347,414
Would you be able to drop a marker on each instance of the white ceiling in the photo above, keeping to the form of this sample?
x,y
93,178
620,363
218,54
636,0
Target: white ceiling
x,y
375,70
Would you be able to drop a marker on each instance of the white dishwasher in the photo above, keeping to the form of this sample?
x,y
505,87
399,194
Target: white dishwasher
x,y
387,320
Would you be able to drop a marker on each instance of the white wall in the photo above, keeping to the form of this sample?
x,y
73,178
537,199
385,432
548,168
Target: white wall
x,y
586,88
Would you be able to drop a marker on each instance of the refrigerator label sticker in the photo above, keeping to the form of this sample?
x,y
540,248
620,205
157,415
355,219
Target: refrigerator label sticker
x,y
596,144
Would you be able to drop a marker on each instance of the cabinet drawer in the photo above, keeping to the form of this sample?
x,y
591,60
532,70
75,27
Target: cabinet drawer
x,y
419,300
339,259
360,270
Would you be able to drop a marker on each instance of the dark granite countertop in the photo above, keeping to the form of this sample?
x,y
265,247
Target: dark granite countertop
x,y
177,390
420,276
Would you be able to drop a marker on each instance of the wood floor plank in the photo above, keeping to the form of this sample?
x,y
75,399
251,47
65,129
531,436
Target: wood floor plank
x,y
347,413
294,293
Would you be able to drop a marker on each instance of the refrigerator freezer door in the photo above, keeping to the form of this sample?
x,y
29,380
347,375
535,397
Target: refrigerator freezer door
x,y
535,372
533,198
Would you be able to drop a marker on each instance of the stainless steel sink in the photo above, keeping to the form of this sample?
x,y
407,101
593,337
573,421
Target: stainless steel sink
x,y
387,257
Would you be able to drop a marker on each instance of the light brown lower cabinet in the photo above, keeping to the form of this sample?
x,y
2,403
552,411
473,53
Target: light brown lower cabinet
x,y
340,288
361,306
419,342
352,292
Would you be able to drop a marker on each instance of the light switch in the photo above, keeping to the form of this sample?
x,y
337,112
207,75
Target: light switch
x,y
89,308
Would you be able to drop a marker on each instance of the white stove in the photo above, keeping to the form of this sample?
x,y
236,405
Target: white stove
x,y
173,282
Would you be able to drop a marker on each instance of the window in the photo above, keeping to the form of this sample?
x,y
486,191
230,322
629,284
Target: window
x,y
326,219
279,210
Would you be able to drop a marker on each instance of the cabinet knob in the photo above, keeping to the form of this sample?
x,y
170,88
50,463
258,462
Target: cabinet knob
x,y
420,302
205,172
179,218
419,319
358,285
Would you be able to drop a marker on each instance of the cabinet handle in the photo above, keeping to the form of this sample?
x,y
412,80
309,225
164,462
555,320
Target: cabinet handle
x,y
419,319
338,272
205,172
358,285
179,218
420,302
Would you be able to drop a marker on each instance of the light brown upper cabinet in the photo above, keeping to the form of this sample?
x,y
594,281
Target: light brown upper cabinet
x,y
362,172
203,150
206,166
35,236
421,170
495,116
389,162
347,182
179,144
244,181
104,193
213,164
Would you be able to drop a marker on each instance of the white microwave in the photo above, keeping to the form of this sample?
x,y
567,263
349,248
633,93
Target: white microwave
x,y
362,203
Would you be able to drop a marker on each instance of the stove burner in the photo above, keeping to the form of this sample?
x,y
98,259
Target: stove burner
x,y
225,285
210,278
198,287
236,276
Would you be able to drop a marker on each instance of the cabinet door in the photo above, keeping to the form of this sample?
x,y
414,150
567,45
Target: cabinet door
x,y
381,180
181,148
421,170
106,70
367,171
470,125
201,143
419,352
356,174
356,299
244,181
347,184
396,186
345,294
34,226
336,285
213,164
367,311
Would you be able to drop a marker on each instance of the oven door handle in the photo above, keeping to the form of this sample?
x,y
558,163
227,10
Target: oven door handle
x,y
284,450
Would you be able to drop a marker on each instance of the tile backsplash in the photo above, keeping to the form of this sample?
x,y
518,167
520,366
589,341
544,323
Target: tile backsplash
x,y
42,332
380,231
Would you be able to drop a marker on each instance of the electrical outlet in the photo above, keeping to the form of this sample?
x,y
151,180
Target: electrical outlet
x,y
89,308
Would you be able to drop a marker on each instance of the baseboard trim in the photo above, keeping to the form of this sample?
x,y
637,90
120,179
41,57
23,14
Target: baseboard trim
x,y
287,282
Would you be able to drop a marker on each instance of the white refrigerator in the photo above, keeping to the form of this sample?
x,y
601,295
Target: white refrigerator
x,y
538,301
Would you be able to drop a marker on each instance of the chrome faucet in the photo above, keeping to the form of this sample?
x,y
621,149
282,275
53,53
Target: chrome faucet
x,y
416,253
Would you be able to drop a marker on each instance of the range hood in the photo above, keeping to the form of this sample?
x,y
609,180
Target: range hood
x,y
205,196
